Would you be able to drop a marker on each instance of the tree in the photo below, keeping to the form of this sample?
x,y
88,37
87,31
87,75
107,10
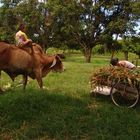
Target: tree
x,y
7,22
126,46
32,13
88,21
83,23
136,45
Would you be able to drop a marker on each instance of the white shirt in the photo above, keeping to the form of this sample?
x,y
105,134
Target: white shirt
x,y
127,64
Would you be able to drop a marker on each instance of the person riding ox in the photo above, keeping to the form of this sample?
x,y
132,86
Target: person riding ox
x,y
21,37
22,40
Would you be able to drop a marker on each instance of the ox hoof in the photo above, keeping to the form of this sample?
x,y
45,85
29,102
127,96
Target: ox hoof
x,y
44,87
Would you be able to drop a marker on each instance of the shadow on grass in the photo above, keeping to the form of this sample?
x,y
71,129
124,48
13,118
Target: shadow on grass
x,y
100,97
36,114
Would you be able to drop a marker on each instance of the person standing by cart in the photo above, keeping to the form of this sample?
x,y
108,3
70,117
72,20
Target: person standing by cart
x,y
122,63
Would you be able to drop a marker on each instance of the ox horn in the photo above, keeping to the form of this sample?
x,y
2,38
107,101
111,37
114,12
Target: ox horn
x,y
53,63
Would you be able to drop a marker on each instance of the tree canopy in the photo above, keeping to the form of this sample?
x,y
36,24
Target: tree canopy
x,y
71,23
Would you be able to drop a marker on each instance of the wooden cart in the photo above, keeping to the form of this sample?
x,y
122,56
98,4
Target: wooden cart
x,y
123,94
122,84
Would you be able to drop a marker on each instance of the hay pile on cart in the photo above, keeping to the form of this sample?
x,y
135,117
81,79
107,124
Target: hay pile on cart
x,y
123,82
106,76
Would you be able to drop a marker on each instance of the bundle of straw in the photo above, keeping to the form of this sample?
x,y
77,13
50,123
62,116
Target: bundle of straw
x,y
106,76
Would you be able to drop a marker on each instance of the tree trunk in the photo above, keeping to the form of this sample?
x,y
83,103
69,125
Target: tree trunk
x,y
113,45
126,55
88,54
112,54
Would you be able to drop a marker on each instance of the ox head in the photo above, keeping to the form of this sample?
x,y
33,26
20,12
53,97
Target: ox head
x,y
57,65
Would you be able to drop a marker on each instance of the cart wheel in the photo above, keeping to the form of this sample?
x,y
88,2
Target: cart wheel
x,y
124,95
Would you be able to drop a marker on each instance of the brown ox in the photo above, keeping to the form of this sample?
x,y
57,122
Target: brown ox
x,y
15,61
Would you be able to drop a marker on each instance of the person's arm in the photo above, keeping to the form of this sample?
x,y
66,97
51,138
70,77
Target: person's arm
x,y
25,42
22,37
121,64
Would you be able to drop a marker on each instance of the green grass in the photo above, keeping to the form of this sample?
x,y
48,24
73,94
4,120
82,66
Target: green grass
x,y
65,110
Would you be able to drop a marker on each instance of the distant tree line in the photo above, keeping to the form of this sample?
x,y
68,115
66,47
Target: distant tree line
x,y
74,24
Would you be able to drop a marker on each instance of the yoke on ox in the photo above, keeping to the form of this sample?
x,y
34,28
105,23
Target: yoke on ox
x,y
15,61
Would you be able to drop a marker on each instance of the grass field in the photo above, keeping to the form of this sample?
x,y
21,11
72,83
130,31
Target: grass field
x,y
65,110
